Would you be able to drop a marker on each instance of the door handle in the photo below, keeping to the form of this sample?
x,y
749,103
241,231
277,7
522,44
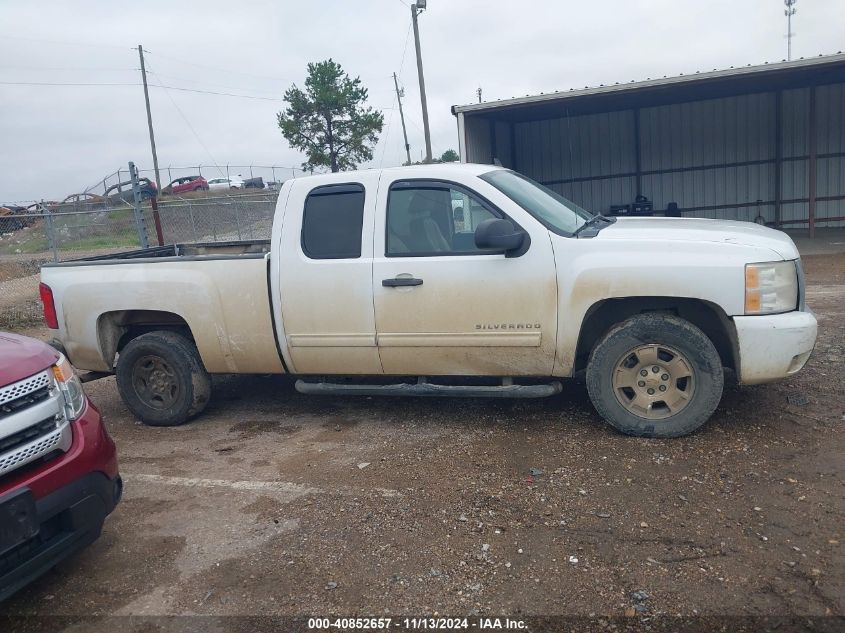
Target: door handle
x,y
397,282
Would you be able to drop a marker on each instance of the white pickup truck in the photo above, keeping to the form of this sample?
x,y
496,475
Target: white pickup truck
x,y
374,275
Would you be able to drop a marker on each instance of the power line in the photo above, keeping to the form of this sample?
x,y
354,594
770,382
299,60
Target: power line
x,y
158,85
233,72
405,48
217,68
50,68
205,83
190,127
49,83
386,136
212,92
4,36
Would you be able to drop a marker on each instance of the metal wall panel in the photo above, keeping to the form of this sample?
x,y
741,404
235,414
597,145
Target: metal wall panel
x,y
576,156
709,153
830,139
598,194
502,145
577,147
715,143
477,140
794,122
795,142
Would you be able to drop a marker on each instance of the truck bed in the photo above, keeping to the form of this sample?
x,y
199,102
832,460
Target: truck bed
x,y
246,249
217,291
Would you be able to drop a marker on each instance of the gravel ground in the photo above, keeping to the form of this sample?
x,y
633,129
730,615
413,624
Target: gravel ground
x,y
278,503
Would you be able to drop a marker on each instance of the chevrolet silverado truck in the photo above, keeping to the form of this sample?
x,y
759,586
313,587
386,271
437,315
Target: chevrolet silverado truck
x,y
58,466
377,282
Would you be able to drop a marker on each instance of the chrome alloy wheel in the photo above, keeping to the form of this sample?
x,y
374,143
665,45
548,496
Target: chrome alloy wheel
x,y
654,381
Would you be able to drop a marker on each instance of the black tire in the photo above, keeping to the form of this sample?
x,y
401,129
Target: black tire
x,y
162,380
610,353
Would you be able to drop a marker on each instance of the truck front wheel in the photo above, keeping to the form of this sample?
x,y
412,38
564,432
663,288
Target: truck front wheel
x,y
161,378
655,375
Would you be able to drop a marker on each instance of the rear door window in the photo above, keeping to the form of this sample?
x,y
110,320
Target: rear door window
x,y
332,222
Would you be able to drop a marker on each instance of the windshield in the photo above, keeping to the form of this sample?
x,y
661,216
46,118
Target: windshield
x,y
552,209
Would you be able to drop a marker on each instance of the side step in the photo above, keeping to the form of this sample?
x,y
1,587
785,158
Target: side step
x,y
429,389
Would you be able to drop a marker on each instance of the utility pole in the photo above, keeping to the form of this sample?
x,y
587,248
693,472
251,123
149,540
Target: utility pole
x,y
789,12
478,92
149,116
402,117
417,8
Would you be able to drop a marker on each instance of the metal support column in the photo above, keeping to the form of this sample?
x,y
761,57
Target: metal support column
x,y
778,156
513,146
51,231
462,147
638,158
811,168
136,207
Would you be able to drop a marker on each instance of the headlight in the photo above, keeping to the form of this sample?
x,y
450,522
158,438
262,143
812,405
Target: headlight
x,y
771,287
70,387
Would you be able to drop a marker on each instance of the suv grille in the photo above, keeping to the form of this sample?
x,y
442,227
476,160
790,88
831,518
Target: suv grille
x,y
32,422
24,401
27,453
24,393
29,434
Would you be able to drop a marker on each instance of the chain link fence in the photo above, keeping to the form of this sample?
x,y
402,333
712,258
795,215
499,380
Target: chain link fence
x,y
258,176
43,232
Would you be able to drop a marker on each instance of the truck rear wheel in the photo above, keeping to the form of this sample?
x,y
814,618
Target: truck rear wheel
x,y
655,375
161,379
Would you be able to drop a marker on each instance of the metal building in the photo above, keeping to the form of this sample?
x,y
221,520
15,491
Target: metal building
x,y
759,142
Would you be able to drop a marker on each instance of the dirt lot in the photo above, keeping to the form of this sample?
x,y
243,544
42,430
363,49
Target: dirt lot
x,y
278,503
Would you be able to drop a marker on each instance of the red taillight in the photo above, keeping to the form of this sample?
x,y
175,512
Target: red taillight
x,y
49,306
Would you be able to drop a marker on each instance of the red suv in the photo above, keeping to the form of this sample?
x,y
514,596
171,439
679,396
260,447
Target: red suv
x,y
186,184
58,466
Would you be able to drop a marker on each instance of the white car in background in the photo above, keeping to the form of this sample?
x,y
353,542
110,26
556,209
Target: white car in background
x,y
225,183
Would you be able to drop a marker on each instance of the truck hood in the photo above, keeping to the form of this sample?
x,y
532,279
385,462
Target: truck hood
x,y
701,230
21,357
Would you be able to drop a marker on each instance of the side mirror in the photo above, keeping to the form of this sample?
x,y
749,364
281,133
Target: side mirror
x,y
500,235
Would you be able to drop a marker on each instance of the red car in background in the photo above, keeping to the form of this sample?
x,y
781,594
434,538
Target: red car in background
x,y
58,466
186,184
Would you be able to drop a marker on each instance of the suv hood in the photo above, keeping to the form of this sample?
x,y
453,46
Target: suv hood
x,y
701,230
21,357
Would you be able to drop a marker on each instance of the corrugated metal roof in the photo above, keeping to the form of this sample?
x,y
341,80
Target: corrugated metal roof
x,y
759,69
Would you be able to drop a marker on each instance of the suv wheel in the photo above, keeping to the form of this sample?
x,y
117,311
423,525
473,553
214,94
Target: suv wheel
x,y
655,375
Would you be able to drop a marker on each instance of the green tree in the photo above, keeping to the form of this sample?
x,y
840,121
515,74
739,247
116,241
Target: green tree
x,y
329,120
449,156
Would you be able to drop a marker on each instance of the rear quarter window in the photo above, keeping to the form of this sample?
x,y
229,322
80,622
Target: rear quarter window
x,y
332,222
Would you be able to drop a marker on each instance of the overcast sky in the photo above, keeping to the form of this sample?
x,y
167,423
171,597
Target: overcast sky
x,y
57,140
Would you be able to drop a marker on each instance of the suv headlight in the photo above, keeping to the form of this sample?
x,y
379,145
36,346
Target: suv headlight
x,y
771,287
70,386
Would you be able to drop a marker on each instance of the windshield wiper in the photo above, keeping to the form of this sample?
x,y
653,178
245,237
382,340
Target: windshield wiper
x,y
592,222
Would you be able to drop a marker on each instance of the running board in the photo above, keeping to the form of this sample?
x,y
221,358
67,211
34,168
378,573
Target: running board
x,y
429,389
